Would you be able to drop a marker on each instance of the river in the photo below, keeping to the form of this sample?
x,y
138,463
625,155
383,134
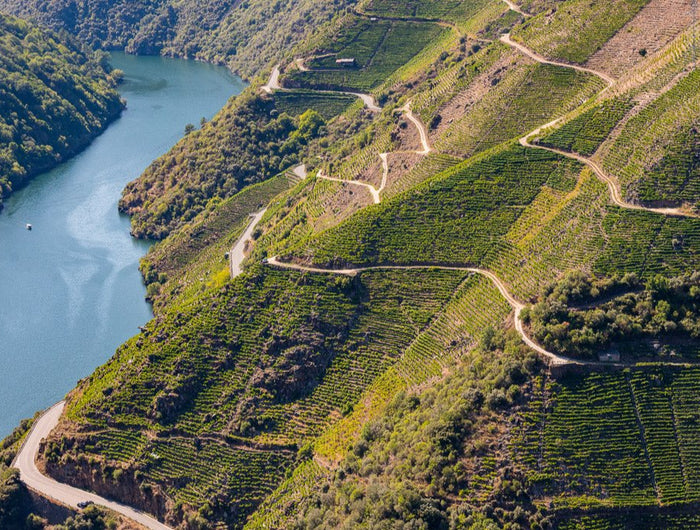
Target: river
x,y
70,290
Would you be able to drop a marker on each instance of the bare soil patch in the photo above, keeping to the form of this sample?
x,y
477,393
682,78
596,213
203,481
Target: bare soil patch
x,y
653,27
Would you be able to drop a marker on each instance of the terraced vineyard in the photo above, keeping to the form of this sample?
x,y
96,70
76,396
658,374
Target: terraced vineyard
x,y
431,9
515,107
578,31
614,439
303,399
454,218
649,244
586,132
652,156
204,382
296,102
651,519
379,48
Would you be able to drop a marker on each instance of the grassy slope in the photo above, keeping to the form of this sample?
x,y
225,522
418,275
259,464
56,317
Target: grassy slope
x,y
229,371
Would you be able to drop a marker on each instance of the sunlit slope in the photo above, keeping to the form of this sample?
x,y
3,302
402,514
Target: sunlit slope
x,y
311,400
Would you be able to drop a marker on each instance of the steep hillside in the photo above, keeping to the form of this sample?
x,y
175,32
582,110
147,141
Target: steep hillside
x,y
471,300
247,142
246,36
55,96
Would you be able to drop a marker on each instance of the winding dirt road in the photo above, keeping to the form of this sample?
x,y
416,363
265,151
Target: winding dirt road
x,y
553,358
421,129
615,194
63,493
540,59
514,7
273,85
376,193
237,253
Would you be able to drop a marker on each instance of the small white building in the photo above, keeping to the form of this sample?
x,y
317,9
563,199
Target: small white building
x,y
348,63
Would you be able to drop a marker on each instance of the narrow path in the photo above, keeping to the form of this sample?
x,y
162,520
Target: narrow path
x,y
615,194
376,193
237,254
540,59
273,84
421,129
32,477
643,437
514,7
554,359
301,65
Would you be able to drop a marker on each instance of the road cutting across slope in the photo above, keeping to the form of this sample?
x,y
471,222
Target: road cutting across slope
x,y
611,183
553,358
237,253
63,493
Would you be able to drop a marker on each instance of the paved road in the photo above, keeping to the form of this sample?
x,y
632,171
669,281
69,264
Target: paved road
x,y
274,82
300,171
63,493
237,254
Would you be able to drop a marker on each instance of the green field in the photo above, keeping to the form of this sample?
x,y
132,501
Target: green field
x,y
586,132
430,9
614,439
296,102
380,48
455,218
514,106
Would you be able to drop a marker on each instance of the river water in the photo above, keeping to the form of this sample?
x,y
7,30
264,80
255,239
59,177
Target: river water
x,y
70,290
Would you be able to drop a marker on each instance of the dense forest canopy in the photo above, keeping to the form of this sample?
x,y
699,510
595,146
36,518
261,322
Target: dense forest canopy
x,y
55,96
243,35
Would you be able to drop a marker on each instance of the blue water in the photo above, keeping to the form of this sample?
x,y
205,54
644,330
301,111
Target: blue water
x,y
70,290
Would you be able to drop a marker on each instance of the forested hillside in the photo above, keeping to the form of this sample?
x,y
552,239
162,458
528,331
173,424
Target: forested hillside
x,y
55,96
470,298
243,35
